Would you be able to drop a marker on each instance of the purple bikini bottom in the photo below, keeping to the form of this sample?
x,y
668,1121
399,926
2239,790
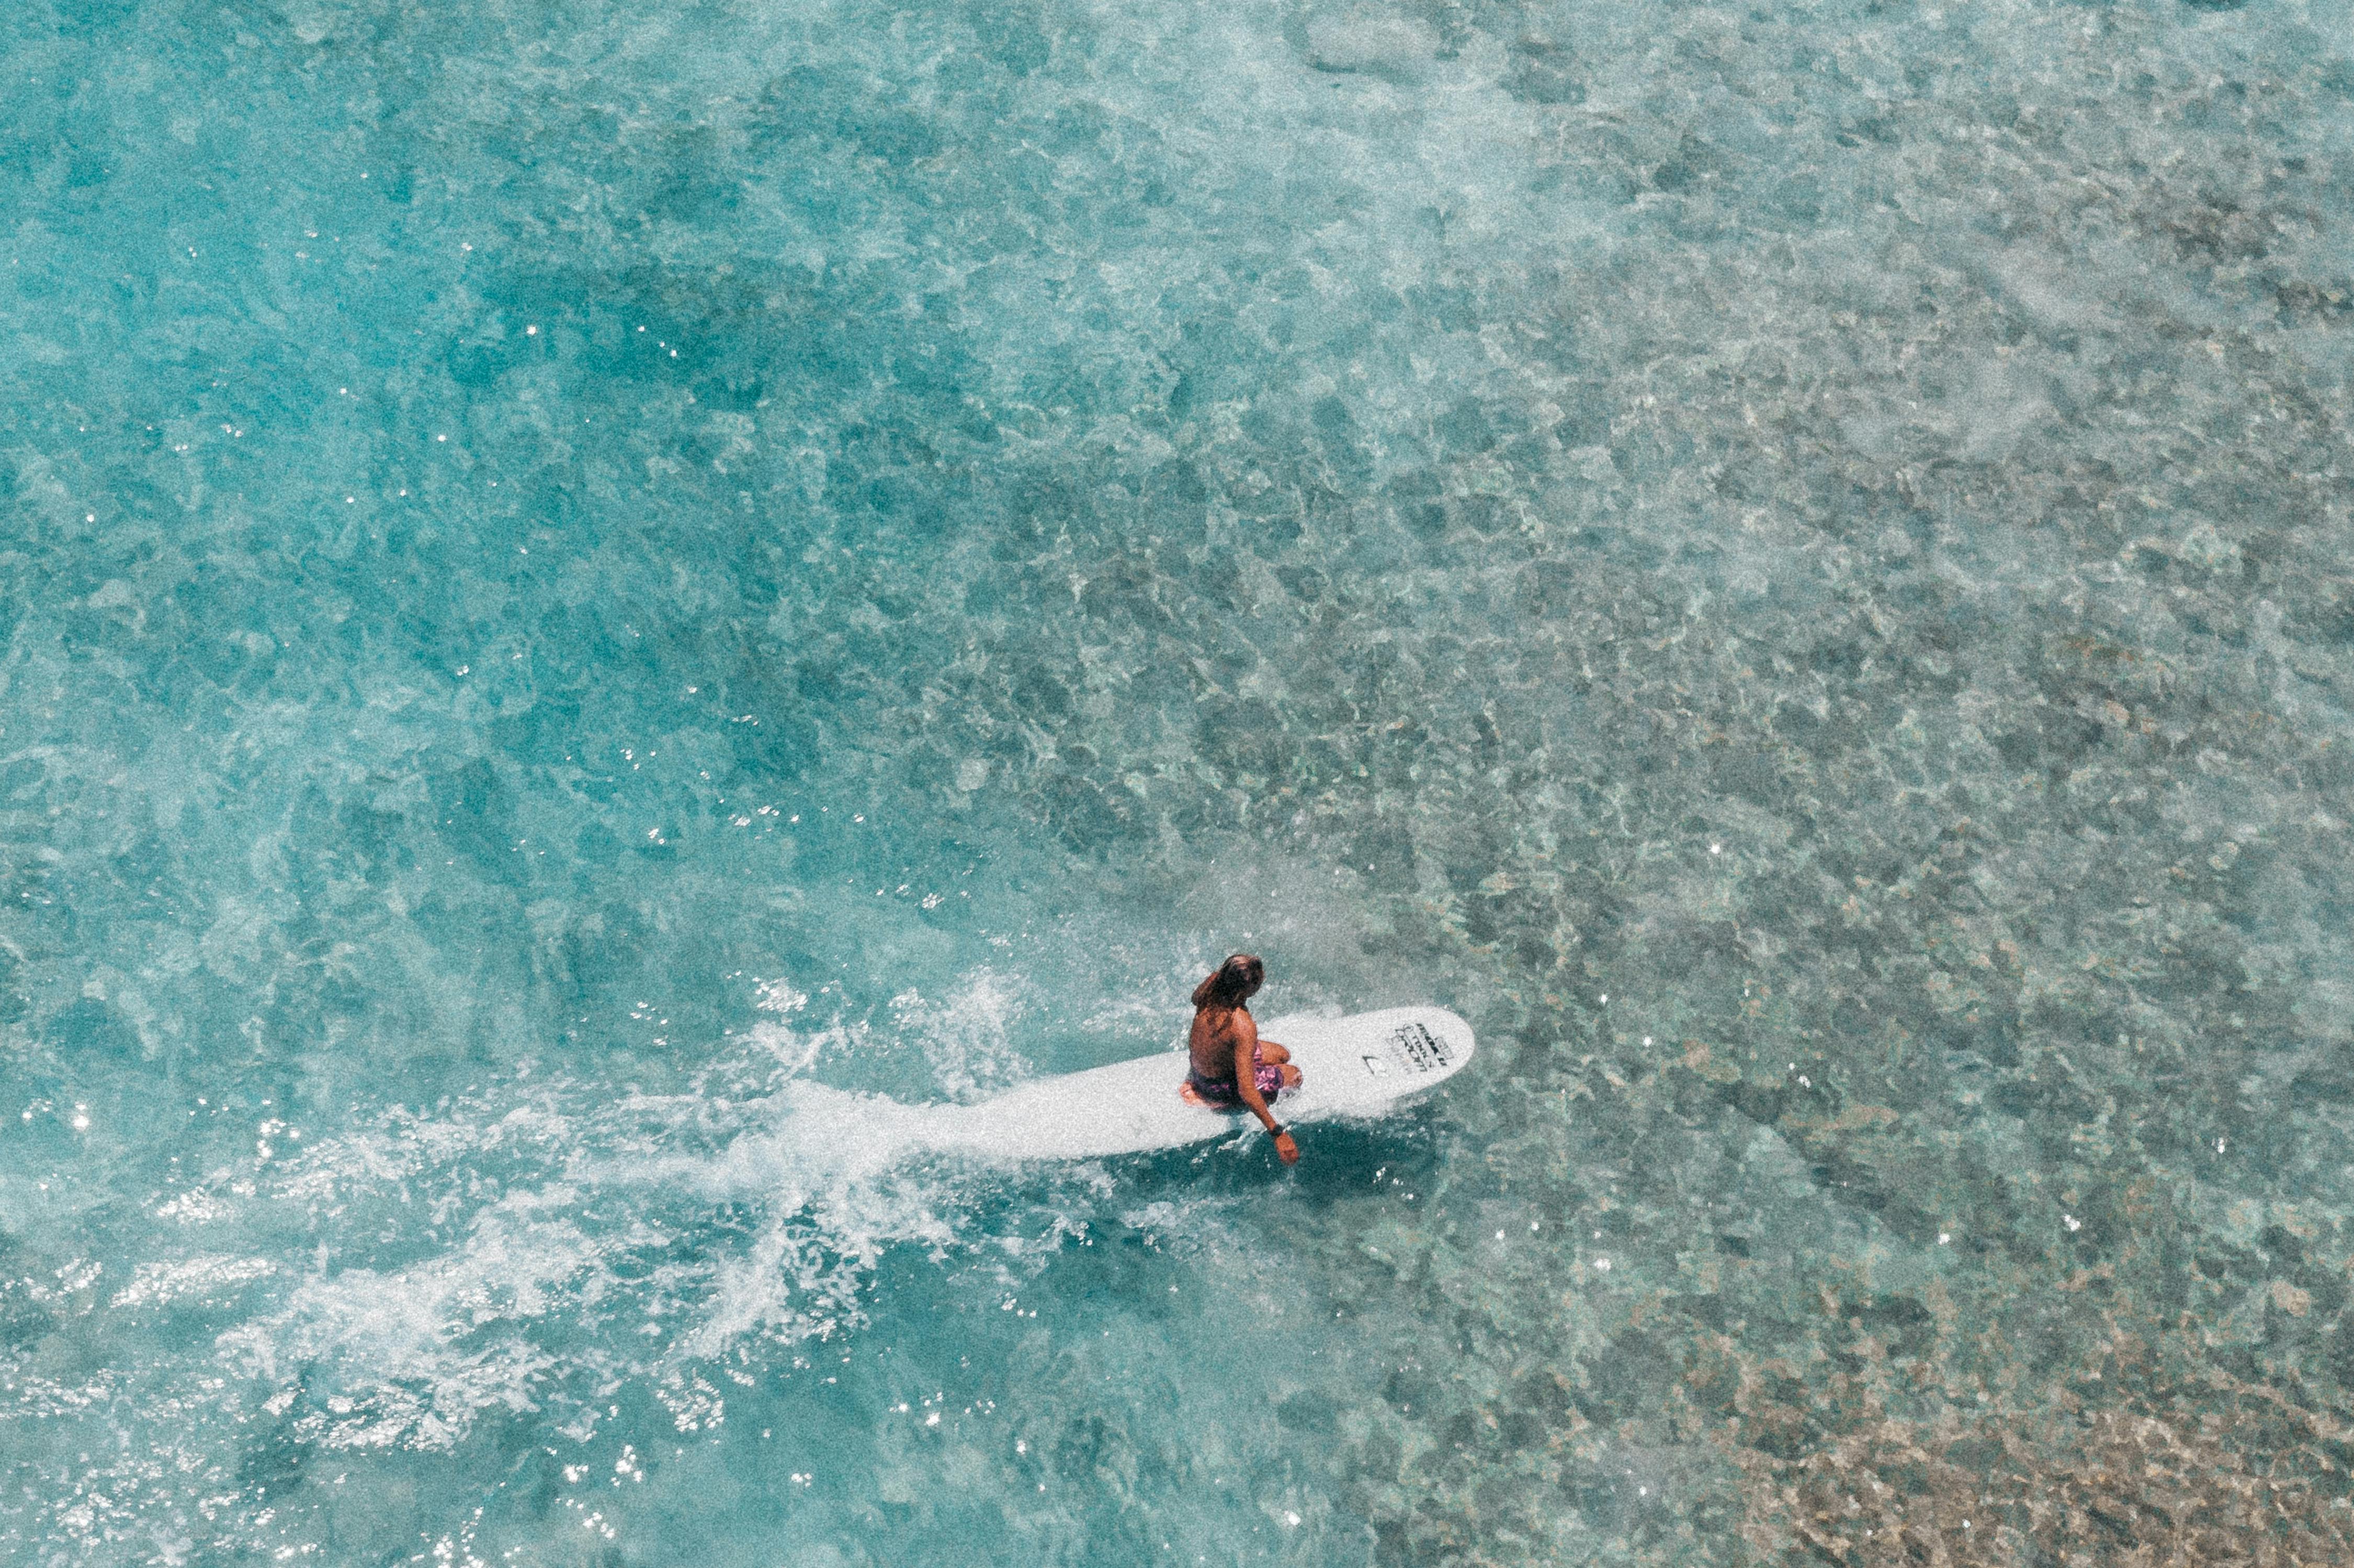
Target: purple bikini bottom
x,y
1223,1091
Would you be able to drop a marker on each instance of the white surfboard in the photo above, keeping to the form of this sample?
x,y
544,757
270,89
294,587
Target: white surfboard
x,y
1357,1067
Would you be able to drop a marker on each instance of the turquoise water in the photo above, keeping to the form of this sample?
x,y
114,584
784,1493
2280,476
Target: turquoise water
x,y
581,580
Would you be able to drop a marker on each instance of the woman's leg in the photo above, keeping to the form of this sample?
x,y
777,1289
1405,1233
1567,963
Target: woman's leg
x,y
1275,1072
1274,1077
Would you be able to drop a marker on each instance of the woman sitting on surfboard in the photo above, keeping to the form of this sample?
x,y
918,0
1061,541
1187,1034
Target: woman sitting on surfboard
x,y
1233,1067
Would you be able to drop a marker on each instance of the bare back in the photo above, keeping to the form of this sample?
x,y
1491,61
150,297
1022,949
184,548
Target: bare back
x,y
1221,1037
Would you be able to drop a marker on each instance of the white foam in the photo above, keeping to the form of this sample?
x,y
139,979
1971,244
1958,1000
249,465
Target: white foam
x,y
392,1339
205,1274
969,1038
614,1217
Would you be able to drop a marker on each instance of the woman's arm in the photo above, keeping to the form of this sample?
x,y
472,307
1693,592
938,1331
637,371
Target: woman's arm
x,y
1246,1085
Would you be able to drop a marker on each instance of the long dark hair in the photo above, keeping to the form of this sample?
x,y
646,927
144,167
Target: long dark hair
x,y
1234,982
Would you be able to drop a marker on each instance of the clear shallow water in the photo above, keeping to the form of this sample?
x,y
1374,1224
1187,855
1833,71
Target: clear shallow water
x,y
581,581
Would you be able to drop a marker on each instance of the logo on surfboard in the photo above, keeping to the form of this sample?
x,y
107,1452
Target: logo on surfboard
x,y
1423,1051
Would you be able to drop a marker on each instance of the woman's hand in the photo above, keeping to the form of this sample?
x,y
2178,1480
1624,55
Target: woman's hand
x,y
1285,1148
